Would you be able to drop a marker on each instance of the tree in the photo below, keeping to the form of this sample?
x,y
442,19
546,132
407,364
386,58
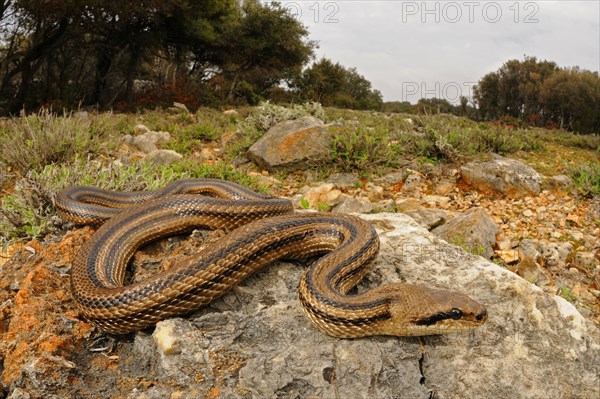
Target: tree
x,y
571,98
266,45
331,84
64,53
540,93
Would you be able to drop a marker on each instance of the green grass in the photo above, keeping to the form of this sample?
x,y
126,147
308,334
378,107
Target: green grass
x,y
29,212
46,152
586,178
31,142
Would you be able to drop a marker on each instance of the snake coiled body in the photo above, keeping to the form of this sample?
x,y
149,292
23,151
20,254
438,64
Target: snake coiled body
x,y
263,230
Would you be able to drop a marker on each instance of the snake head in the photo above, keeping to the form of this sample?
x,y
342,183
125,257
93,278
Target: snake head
x,y
419,310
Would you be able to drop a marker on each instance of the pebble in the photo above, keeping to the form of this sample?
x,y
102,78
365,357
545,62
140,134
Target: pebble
x,y
527,213
577,235
166,339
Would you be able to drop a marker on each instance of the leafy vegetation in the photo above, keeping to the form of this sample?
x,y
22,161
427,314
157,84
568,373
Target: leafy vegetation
x,y
46,152
371,140
586,178
118,54
542,94
331,84
31,142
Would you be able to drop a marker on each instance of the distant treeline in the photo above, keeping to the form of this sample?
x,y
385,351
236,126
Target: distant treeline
x,y
531,92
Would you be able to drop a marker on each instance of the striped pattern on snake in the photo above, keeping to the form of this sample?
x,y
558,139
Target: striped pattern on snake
x,y
263,230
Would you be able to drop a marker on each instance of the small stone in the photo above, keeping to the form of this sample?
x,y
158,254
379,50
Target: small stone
x,y
19,393
407,204
385,206
166,339
230,137
181,107
375,193
323,194
503,242
344,181
574,219
560,181
436,199
163,156
394,177
585,259
508,256
412,182
350,204
556,234
207,154
527,213
540,209
140,129
444,187
428,218
577,235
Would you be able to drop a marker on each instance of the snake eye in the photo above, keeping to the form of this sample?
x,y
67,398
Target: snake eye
x,y
455,314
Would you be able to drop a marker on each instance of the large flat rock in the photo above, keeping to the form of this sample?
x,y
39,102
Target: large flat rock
x,y
291,144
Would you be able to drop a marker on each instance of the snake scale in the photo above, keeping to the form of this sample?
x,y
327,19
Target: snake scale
x,y
262,230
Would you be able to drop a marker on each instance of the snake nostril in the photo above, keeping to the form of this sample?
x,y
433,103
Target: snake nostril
x,y
481,315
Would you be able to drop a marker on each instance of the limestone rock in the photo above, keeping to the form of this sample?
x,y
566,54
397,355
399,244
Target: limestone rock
x,y
344,181
291,144
374,192
322,195
474,230
412,183
444,187
502,175
146,140
585,259
559,182
387,205
162,156
554,254
257,342
408,204
393,177
349,204
428,218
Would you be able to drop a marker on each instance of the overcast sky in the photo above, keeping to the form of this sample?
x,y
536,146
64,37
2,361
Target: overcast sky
x,y
415,49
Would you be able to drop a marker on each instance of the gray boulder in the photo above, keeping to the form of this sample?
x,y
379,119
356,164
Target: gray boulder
x,y
473,230
428,218
349,204
256,341
502,175
291,144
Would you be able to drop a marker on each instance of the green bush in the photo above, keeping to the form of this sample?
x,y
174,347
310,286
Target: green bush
x,y
587,178
32,142
360,148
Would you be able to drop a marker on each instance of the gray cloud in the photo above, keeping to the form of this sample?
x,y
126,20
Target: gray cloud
x,y
439,46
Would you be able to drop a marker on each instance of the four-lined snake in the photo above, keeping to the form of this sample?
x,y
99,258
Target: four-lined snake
x,y
263,230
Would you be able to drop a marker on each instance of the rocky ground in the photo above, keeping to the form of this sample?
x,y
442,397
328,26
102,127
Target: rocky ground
x,y
524,244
